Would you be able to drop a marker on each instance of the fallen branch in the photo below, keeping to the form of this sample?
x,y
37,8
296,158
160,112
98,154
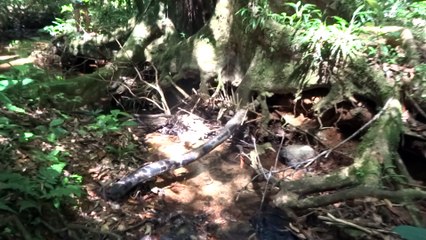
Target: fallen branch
x,y
122,187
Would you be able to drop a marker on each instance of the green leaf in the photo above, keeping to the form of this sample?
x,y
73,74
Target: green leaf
x,y
48,177
112,128
54,152
58,167
341,21
4,99
4,120
26,81
129,124
51,137
56,122
17,186
27,204
67,191
14,108
59,131
373,4
26,136
4,84
7,176
410,232
3,206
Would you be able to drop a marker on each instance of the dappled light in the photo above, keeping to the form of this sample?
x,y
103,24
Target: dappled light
x,y
216,119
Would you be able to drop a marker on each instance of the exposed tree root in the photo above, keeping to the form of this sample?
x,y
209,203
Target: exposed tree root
x,y
404,195
365,177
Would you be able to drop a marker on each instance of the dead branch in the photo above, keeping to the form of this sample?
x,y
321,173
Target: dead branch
x,y
120,188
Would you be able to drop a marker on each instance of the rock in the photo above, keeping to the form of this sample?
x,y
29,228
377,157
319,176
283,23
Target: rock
x,y
295,155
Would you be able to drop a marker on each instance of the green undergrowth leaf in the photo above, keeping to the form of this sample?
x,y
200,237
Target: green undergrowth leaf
x,y
56,122
28,204
4,207
410,232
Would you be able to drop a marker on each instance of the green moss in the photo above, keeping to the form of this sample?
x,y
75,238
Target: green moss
x,y
369,82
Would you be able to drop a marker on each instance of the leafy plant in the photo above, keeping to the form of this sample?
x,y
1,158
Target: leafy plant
x,y
402,11
6,82
23,192
60,27
304,16
56,130
256,15
28,195
111,122
335,42
121,151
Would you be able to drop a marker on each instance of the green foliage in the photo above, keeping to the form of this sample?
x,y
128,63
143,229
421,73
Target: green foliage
x,y
9,82
56,130
121,151
335,42
45,184
400,11
110,122
420,82
20,86
256,15
319,40
385,53
305,15
410,232
335,39
22,192
112,15
105,16
60,27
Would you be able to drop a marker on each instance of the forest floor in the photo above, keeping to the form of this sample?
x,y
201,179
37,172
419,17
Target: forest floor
x,y
218,196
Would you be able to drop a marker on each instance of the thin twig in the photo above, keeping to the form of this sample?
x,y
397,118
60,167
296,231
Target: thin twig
x,y
180,90
279,150
418,108
374,232
160,91
332,218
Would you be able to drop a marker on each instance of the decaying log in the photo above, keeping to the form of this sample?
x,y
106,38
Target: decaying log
x,y
122,187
